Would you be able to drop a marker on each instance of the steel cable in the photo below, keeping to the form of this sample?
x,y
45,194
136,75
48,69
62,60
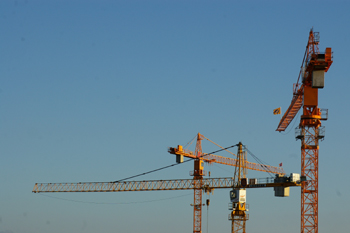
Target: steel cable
x,y
171,165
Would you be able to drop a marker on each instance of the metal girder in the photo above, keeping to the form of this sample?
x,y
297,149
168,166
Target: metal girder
x,y
152,185
293,109
210,158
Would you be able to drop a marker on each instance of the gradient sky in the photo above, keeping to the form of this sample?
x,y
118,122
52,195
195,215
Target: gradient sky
x,y
98,90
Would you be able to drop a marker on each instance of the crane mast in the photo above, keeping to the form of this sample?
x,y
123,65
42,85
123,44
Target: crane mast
x,y
198,176
238,215
305,96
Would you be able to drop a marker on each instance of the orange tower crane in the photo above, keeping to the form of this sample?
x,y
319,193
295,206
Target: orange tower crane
x,y
305,95
238,215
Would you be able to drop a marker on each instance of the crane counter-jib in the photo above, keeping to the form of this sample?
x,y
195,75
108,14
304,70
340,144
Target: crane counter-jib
x,y
211,158
158,185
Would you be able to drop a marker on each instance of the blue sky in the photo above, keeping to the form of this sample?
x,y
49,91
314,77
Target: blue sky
x,y
97,91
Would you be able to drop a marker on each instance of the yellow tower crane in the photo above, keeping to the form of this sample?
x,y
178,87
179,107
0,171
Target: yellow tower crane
x,y
238,215
238,183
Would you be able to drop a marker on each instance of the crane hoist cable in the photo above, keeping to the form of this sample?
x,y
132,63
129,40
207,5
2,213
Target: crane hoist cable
x,y
207,204
171,165
208,216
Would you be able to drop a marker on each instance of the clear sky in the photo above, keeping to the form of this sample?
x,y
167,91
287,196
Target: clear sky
x,y
97,91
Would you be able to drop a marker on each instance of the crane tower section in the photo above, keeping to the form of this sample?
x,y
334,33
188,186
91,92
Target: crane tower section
x,y
305,95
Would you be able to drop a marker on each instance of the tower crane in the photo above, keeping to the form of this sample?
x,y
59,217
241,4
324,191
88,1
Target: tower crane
x,y
309,131
238,215
238,183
